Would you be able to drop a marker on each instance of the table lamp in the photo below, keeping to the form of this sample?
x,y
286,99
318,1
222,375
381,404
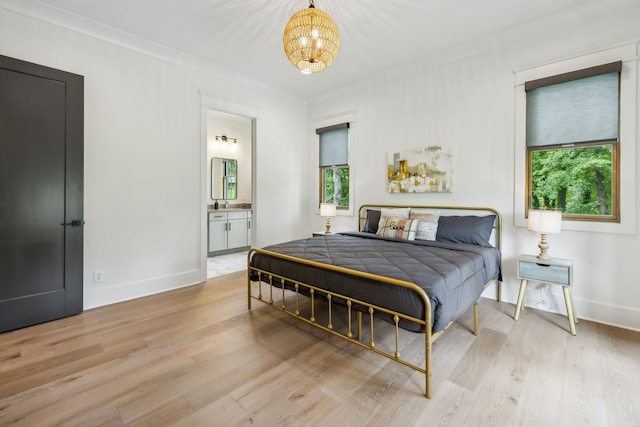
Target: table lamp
x,y
327,210
544,222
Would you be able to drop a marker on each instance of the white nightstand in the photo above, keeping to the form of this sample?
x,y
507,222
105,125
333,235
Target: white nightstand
x,y
553,271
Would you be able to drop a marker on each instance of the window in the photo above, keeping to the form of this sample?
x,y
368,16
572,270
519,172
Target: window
x,y
572,140
334,165
628,190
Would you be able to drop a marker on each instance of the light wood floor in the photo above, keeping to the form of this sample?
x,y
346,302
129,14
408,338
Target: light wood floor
x,y
196,356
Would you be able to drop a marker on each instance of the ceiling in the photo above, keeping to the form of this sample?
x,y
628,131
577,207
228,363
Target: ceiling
x,y
244,37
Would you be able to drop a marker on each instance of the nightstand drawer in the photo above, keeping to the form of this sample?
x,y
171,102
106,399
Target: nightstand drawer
x,y
544,273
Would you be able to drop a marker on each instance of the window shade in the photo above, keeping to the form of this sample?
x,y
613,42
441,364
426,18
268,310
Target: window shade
x,y
574,111
334,145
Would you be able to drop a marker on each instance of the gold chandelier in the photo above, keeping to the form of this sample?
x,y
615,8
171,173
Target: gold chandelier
x,y
311,39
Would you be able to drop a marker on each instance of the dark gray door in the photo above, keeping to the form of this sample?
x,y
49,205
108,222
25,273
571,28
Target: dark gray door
x,y
41,193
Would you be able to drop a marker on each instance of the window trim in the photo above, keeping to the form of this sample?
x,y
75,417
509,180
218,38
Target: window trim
x,y
626,145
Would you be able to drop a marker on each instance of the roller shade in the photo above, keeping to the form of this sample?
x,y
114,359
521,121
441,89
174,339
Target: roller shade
x,y
578,110
334,145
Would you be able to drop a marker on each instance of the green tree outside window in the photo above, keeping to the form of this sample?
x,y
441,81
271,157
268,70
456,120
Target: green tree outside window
x,y
574,180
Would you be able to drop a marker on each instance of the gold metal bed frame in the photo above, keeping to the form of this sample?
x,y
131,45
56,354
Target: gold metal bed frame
x,y
316,293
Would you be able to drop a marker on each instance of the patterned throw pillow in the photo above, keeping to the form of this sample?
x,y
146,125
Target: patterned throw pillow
x,y
399,228
395,212
428,226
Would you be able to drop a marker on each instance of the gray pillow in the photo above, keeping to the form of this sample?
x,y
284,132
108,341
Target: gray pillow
x,y
474,230
371,223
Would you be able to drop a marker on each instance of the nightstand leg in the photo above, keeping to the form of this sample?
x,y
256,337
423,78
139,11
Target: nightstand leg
x,y
573,307
520,306
568,301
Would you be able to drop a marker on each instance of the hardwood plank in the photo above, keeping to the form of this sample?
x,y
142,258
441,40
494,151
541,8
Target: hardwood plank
x,y
81,401
473,366
585,405
450,408
207,393
168,413
622,381
498,396
546,348
224,411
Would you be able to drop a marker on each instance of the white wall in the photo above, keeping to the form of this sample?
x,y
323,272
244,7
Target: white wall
x,y
145,157
466,98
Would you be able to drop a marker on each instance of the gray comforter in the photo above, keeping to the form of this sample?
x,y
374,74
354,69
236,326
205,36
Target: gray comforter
x,y
452,274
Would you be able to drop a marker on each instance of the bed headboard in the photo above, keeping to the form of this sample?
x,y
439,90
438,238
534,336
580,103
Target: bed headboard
x,y
496,235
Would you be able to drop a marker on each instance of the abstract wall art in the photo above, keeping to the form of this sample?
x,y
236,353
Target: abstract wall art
x,y
420,170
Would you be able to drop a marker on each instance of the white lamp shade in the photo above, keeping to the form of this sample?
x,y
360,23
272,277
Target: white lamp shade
x,y
545,221
327,209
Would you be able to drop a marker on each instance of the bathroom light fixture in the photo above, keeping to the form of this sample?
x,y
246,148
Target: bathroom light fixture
x,y
225,138
311,39
328,210
544,222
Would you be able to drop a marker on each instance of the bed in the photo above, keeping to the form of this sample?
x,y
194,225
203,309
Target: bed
x,y
418,269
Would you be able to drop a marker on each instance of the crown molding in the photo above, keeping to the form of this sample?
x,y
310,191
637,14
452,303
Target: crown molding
x,y
54,16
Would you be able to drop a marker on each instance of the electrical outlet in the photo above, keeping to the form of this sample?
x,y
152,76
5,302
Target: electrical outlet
x,y
98,276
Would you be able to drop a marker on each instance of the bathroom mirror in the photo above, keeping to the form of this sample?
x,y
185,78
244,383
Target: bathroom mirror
x,y
224,174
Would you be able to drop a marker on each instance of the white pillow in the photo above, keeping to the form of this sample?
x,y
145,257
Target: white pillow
x,y
394,212
428,226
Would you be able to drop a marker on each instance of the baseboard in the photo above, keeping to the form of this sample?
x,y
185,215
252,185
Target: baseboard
x,y
621,317
550,298
104,295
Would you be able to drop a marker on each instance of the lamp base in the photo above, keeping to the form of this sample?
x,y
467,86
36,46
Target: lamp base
x,y
328,226
544,246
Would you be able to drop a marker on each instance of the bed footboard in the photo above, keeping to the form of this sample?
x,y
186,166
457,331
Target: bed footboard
x,y
290,296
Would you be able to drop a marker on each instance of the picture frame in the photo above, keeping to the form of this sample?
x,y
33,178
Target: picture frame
x,y
425,169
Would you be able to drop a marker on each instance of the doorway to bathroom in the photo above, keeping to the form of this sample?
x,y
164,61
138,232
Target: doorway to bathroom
x,y
229,191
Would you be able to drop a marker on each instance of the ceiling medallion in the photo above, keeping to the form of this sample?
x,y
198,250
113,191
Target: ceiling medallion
x,y
311,39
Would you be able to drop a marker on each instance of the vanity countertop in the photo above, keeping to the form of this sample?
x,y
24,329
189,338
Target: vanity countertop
x,y
227,210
